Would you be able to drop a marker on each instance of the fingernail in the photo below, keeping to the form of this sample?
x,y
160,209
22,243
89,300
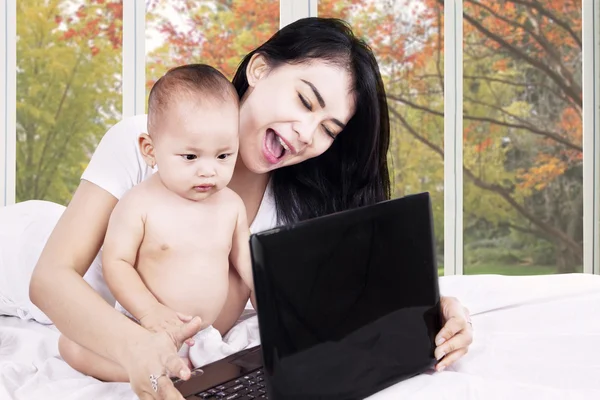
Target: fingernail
x,y
441,368
440,341
442,354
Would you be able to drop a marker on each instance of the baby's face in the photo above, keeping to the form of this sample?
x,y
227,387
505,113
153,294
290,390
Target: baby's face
x,y
196,147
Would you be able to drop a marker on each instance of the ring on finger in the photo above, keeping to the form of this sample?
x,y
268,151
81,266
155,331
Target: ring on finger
x,y
154,381
469,321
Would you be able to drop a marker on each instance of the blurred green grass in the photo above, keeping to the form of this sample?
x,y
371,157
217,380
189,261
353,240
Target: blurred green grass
x,y
514,270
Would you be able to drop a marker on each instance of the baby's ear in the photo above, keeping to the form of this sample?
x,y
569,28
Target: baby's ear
x,y
147,149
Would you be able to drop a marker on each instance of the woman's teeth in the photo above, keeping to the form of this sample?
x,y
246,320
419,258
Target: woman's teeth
x,y
283,144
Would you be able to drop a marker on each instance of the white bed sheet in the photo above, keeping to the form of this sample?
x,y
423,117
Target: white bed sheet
x,y
535,338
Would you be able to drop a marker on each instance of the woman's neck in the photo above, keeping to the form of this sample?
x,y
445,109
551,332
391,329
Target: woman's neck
x,y
250,187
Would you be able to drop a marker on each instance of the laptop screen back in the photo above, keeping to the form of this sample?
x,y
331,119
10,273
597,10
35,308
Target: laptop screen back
x,y
348,303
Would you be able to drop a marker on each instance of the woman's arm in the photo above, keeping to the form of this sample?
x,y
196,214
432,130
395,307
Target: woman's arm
x,y
58,289
240,248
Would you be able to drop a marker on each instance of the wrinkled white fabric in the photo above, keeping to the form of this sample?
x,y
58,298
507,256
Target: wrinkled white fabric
x,y
24,230
535,338
209,345
31,368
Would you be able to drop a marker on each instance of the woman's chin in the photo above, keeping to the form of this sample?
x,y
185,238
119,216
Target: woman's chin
x,y
256,164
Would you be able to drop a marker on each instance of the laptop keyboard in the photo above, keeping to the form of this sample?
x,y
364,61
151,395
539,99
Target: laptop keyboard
x,y
248,387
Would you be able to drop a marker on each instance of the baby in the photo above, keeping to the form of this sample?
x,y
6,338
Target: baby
x,y
170,239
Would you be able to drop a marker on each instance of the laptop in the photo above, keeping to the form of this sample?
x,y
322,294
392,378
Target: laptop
x,y
348,304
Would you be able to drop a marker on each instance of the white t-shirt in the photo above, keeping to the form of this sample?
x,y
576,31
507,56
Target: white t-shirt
x,y
117,166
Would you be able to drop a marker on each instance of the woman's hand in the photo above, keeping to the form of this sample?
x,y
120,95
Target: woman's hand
x,y
155,354
161,318
456,335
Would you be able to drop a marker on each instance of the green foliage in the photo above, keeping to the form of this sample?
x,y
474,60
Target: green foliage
x,y
68,77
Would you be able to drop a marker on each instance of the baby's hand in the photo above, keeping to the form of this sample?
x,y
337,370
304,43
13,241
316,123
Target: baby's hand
x,y
161,318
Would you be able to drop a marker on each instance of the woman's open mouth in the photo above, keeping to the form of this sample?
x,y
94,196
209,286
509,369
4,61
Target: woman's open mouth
x,y
274,147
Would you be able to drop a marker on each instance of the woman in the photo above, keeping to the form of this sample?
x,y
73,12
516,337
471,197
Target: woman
x,y
314,134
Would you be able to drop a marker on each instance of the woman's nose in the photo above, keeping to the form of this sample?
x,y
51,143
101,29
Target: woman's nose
x,y
306,132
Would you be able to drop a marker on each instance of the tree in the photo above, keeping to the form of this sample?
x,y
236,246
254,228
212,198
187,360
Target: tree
x,y
219,33
522,109
522,101
68,91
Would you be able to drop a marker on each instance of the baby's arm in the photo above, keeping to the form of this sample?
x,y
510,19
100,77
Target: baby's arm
x,y
240,247
123,238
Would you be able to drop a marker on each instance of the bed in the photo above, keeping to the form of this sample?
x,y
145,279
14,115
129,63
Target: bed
x,y
535,338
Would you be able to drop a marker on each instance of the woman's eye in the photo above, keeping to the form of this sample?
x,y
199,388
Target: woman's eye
x,y
189,157
328,132
224,156
305,102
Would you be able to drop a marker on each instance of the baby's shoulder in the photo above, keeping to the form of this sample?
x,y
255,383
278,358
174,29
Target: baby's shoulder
x,y
138,198
228,202
229,197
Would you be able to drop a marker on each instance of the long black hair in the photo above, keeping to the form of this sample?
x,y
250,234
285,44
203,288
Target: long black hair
x,y
353,172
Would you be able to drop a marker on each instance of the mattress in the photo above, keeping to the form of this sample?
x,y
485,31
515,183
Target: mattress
x,y
534,338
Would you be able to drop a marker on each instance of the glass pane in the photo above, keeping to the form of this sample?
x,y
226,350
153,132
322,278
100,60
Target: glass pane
x,y
215,32
68,90
522,98
407,39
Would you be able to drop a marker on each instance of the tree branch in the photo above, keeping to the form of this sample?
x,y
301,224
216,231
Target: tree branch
x,y
543,11
50,135
415,106
420,138
525,125
557,93
499,190
534,232
554,56
439,49
50,174
570,91
531,129
550,135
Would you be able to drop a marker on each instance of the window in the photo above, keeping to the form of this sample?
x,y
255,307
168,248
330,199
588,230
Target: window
x,y
522,153
407,39
218,33
68,91
520,195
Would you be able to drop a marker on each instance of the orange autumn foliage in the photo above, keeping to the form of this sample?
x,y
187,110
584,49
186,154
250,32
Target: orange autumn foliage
x,y
407,38
93,20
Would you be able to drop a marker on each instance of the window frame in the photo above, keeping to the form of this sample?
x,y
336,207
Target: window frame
x,y
134,76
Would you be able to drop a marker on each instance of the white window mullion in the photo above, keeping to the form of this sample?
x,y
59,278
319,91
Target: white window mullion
x,y
293,10
453,134
134,57
591,131
8,101
313,6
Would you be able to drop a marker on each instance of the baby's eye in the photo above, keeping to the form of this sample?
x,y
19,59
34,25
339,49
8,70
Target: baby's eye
x,y
224,156
189,157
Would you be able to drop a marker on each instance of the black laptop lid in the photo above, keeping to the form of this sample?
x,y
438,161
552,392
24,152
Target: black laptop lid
x,y
348,303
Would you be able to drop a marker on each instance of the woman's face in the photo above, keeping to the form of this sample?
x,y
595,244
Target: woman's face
x,y
292,113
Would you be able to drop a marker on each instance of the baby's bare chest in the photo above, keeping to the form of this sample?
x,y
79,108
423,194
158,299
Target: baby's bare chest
x,y
189,230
